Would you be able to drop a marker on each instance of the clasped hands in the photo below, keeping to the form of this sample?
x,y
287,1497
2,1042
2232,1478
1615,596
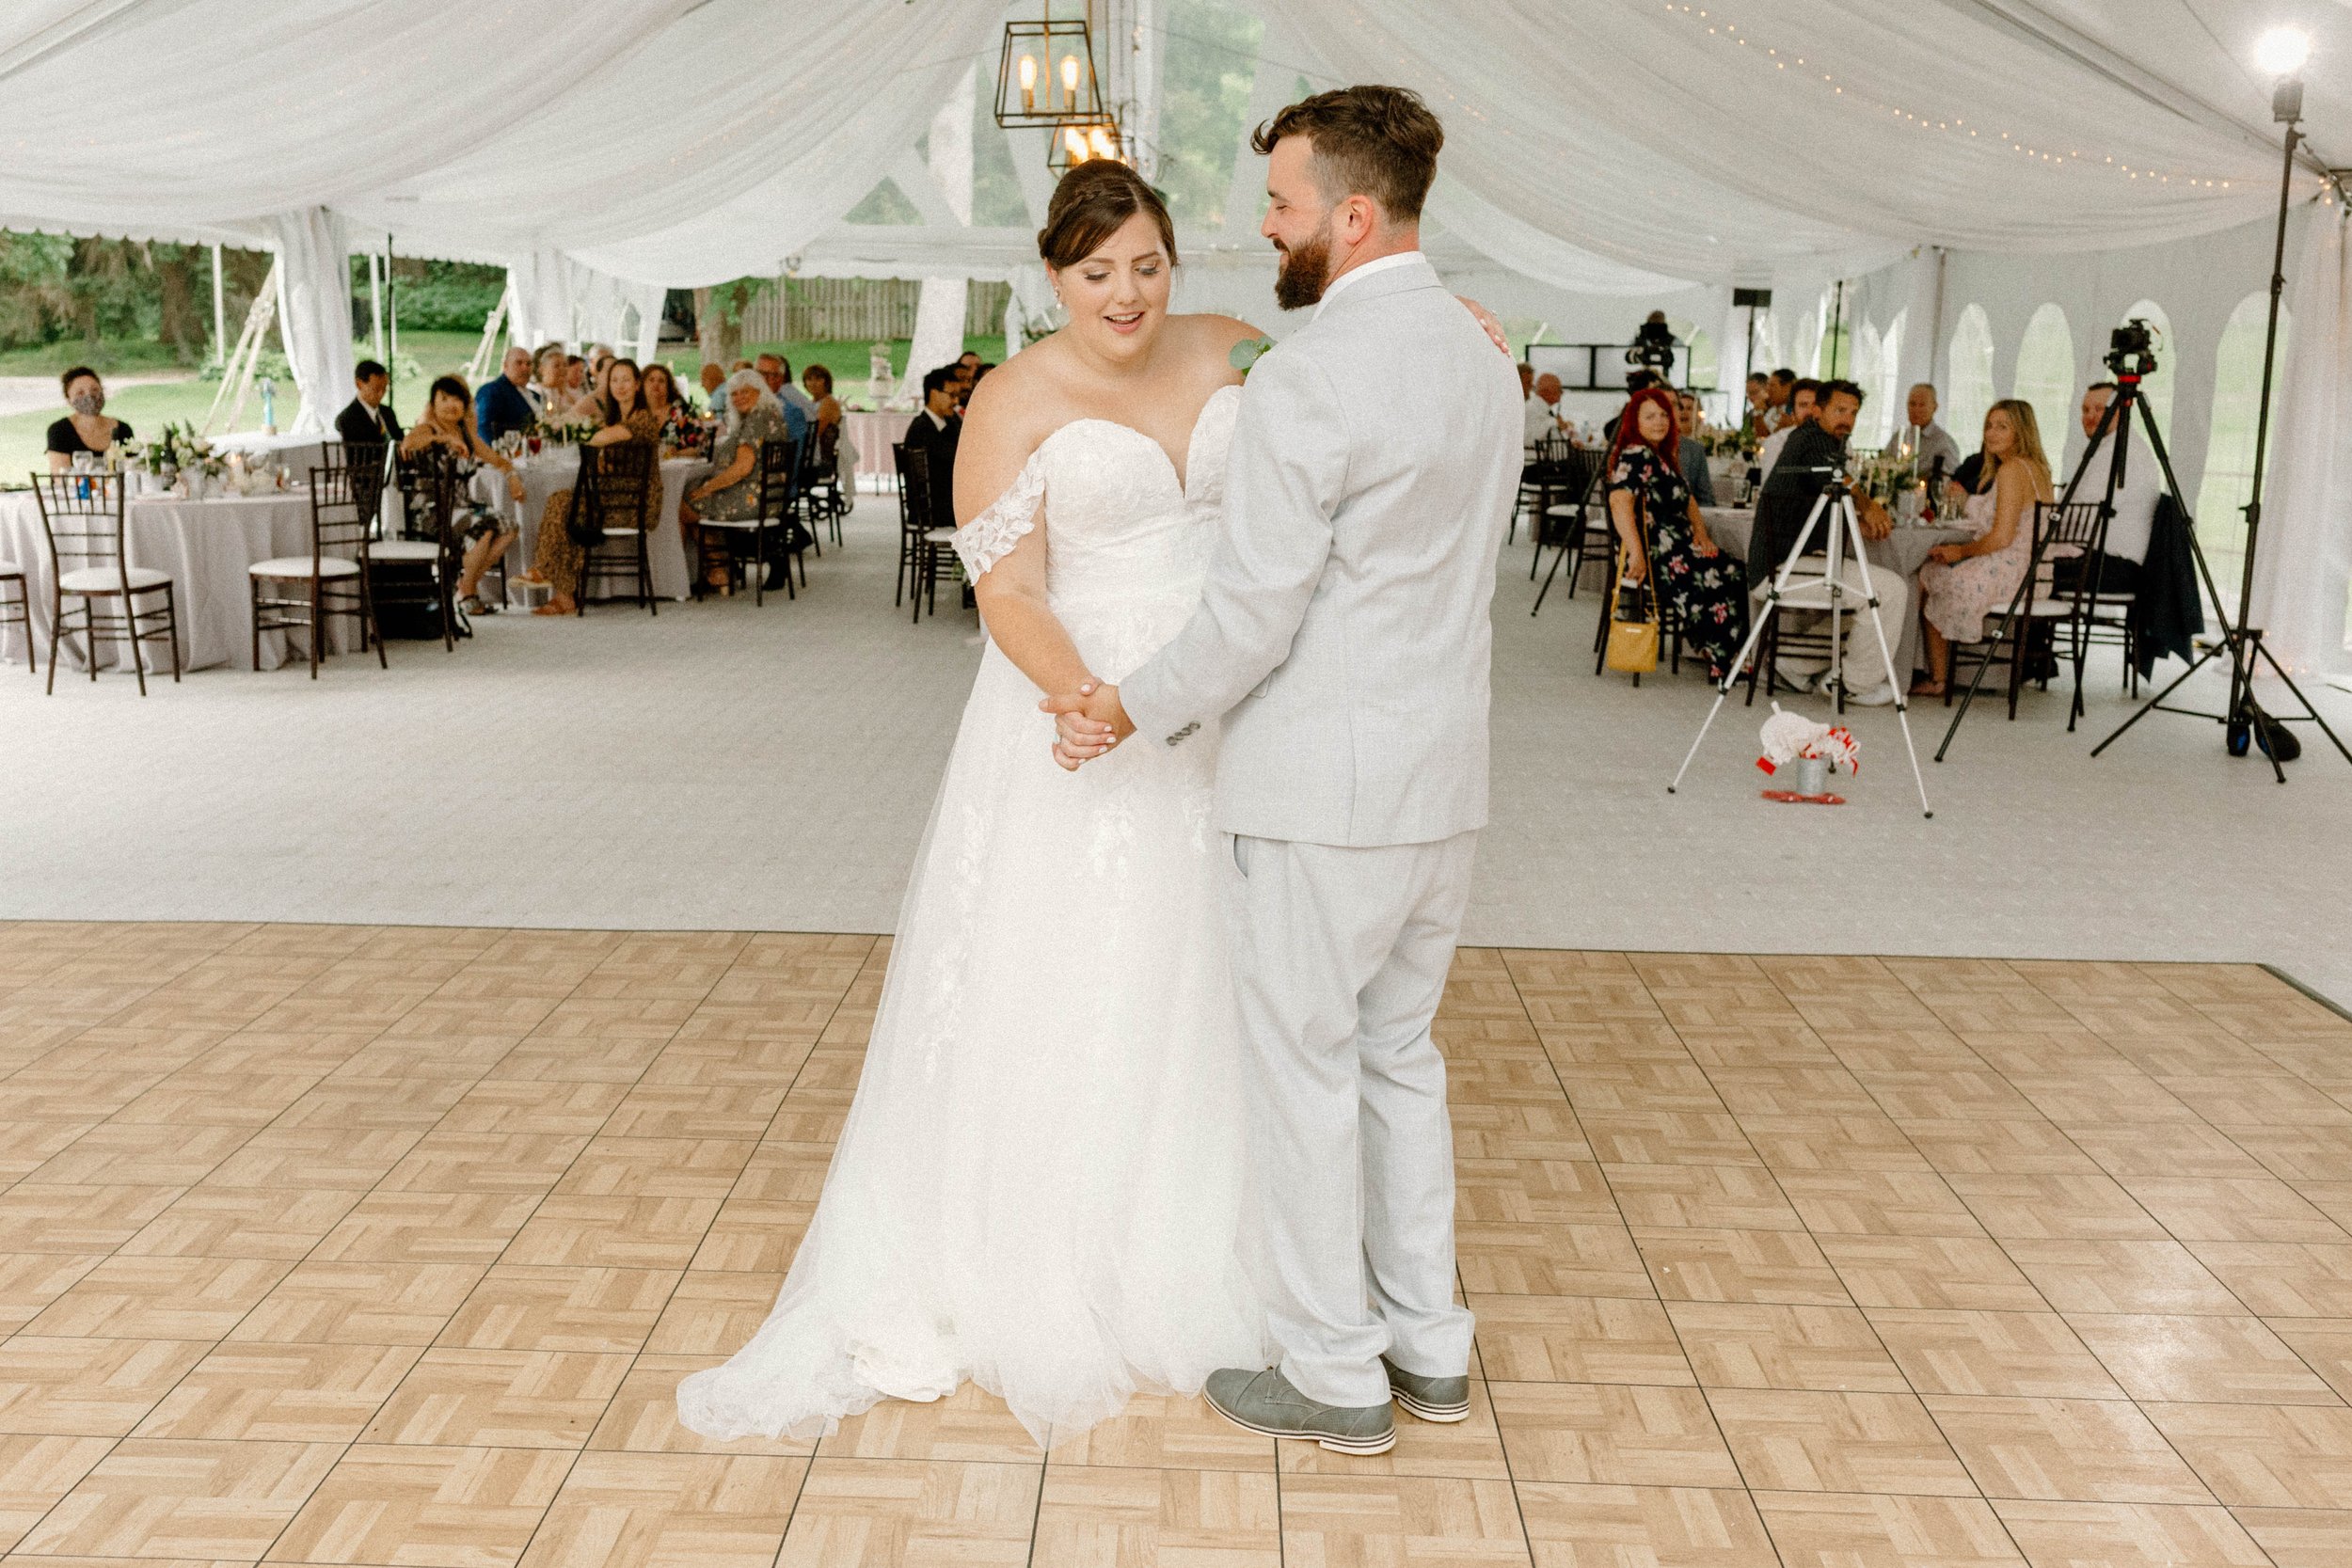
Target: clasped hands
x,y
1088,722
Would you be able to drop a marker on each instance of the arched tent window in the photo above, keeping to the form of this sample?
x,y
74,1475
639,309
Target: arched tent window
x,y
2157,389
1699,364
1870,374
1805,346
1972,390
2045,377
2237,382
1890,413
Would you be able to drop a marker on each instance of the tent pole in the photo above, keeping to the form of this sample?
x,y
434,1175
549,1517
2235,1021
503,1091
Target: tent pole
x,y
220,315
376,303
391,291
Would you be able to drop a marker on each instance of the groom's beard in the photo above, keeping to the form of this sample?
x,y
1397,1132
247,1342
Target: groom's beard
x,y
1305,272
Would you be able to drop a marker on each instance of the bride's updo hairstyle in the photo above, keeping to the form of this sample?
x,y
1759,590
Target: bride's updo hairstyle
x,y
1090,204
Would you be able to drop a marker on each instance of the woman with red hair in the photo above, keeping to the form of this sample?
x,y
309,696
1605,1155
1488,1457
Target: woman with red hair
x,y
1663,539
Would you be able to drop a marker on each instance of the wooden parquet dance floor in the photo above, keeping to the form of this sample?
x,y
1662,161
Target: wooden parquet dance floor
x,y
387,1246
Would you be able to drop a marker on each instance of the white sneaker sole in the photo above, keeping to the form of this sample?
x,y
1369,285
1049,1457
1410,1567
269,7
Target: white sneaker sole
x,y
1363,1447
1445,1415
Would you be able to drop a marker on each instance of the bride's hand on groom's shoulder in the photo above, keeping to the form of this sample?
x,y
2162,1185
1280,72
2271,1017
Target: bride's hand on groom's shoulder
x,y
1487,318
1088,722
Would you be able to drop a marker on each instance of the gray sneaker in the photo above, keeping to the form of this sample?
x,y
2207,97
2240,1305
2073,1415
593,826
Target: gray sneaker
x,y
1264,1401
1433,1399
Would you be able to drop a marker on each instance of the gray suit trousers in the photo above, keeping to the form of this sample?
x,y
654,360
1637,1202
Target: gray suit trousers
x,y
1341,955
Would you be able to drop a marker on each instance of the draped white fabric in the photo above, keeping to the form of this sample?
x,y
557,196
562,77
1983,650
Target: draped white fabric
x,y
314,312
2305,554
1716,143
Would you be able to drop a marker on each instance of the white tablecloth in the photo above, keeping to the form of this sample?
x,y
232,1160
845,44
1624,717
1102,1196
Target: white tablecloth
x,y
873,436
296,454
666,554
1903,551
205,547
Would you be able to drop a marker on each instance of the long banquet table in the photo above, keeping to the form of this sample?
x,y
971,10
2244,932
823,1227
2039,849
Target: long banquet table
x,y
1903,551
205,547
668,559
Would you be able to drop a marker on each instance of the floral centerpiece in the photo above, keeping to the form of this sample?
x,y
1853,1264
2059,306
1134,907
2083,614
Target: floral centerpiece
x,y
1726,441
1880,475
562,430
1810,751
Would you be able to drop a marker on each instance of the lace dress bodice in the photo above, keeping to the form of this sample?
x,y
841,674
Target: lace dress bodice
x,y
1127,538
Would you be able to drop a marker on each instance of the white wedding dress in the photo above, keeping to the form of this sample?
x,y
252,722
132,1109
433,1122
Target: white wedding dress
x,y
1039,1183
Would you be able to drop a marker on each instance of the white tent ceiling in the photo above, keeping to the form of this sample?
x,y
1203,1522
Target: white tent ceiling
x,y
680,143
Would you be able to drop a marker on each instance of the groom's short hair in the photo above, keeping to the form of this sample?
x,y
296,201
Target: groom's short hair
x,y
1375,141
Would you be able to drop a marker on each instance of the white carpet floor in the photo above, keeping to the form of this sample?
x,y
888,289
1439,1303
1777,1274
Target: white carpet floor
x,y
723,767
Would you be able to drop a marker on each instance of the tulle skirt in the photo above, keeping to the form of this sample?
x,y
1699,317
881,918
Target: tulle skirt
x,y
1039,1185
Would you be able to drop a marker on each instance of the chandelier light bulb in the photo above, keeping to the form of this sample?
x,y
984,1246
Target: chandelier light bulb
x,y
2281,50
1074,143
1069,80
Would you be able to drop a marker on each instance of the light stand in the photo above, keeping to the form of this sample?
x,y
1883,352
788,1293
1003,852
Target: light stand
x,y
2244,723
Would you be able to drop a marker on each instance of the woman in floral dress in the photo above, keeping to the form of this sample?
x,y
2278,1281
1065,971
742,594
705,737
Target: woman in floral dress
x,y
1646,490
620,411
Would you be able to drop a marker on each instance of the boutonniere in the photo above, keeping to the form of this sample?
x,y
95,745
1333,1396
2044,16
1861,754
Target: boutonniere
x,y
1247,353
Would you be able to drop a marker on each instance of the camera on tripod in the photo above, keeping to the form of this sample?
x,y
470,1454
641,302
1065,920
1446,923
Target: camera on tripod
x,y
2132,349
1653,350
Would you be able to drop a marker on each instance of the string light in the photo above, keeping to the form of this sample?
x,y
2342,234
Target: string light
x,y
1729,30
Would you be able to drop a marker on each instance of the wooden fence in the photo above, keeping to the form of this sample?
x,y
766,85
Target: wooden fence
x,y
859,311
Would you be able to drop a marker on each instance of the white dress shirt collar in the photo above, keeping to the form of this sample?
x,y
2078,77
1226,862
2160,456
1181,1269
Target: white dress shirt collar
x,y
1384,263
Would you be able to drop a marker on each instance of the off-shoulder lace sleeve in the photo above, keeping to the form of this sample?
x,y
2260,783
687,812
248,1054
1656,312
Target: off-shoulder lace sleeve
x,y
990,537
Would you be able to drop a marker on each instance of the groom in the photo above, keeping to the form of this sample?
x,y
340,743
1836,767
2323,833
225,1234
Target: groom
x,y
1342,638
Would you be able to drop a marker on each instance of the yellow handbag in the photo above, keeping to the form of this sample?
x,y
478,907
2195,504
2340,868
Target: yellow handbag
x,y
1633,644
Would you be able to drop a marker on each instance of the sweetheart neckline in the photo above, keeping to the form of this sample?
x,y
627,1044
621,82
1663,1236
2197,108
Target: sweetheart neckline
x,y
1183,475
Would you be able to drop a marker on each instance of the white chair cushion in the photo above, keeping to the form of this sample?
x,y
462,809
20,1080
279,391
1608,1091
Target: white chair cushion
x,y
404,549
299,566
743,524
938,535
107,579
1569,511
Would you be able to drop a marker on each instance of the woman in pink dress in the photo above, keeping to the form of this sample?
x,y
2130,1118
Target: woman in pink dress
x,y
1962,584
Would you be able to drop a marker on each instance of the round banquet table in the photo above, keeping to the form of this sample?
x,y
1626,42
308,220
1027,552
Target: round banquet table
x,y
873,434
666,555
1903,551
205,547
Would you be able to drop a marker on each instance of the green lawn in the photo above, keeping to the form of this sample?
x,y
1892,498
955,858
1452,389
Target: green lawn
x,y
155,404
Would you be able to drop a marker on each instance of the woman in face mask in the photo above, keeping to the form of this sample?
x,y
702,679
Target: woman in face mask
x,y
89,428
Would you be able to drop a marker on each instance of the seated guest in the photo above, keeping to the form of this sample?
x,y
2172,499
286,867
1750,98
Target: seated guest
x,y
826,409
712,376
658,388
1527,381
1755,419
1540,413
501,406
1689,420
547,391
732,491
1816,449
88,428
935,432
2118,565
1922,439
1782,388
1635,381
621,415
447,425
1805,397
1664,540
776,370
1962,584
575,380
368,419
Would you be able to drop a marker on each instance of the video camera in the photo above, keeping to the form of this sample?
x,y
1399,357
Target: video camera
x,y
2130,349
1653,350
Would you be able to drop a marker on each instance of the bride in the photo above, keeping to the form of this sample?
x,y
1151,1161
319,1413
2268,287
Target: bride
x,y
1040,1183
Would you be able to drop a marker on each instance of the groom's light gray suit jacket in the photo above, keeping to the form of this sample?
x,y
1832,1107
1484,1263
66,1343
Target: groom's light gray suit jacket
x,y
1342,635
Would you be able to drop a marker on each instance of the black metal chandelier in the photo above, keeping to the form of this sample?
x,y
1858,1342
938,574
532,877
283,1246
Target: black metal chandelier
x,y
1045,75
